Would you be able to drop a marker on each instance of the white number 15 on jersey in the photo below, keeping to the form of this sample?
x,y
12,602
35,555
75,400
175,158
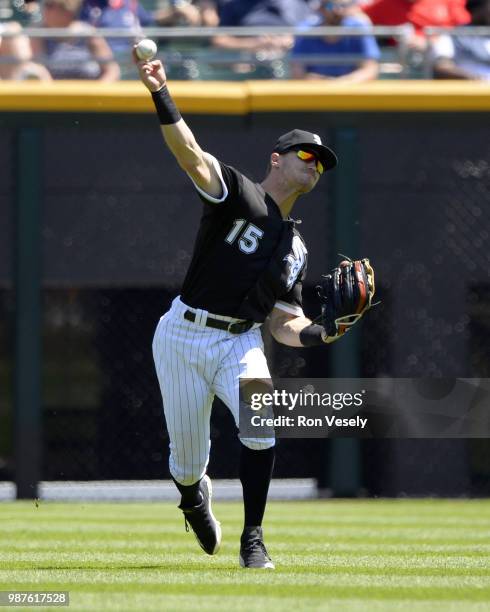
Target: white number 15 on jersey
x,y
249,239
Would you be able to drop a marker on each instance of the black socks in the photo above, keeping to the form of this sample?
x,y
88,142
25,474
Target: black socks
x,y
191,495
255,475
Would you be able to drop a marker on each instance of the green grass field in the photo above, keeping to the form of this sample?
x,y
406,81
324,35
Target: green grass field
x,y
330,555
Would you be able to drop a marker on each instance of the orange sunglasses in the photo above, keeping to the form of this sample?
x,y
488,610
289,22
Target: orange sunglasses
x,y
306,156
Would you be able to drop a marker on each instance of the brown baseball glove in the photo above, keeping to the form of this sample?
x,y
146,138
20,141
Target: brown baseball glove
x,y
346,294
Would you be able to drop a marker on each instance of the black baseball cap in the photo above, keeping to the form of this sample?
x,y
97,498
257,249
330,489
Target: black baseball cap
x,y
309,140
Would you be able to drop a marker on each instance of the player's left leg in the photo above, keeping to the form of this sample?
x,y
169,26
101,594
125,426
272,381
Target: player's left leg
x,y
245,361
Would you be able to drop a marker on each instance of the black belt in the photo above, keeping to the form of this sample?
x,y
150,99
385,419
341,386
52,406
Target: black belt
x,y
239,327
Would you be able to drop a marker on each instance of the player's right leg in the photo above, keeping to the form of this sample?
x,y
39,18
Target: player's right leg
x,y
183,362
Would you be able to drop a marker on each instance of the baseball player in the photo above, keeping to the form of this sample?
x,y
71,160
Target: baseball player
x,y
248,264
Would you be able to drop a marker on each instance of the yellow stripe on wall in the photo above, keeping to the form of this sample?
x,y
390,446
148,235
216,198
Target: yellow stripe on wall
x,y
219,97
380,96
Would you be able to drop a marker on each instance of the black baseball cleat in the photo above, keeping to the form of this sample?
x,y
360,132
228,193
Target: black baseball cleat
x,y
253,553
202,520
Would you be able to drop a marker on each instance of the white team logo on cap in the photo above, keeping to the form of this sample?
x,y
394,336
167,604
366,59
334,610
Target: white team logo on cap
x,y
317,139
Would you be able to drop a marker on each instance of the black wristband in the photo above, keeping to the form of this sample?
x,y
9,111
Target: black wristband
x,y
167,112
311,335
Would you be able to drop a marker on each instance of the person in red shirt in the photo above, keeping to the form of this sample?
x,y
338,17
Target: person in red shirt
x,y
419,13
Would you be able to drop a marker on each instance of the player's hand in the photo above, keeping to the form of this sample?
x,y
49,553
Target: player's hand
x,y
152,74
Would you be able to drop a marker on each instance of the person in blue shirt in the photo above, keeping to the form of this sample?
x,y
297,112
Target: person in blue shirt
x,y
122,14
258,13
115,14
336,13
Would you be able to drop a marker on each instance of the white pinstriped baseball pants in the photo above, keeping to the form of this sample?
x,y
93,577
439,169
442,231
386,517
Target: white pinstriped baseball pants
x,y
193,364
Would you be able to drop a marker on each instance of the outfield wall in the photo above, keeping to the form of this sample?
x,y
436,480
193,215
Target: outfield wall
x,y
115,236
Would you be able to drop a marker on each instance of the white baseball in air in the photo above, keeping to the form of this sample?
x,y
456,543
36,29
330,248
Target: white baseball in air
x,y
146,49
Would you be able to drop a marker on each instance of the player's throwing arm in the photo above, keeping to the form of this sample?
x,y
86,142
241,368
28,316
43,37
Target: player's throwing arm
x,y
178,137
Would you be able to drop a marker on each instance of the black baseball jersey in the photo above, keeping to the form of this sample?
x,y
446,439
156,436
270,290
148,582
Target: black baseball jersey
x,y
247,258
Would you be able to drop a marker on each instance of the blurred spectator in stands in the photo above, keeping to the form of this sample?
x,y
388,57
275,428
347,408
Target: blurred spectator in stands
x,y
344,13
16,55
254,13
27,12
73,57
122,14
192,13
418,13
460,56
